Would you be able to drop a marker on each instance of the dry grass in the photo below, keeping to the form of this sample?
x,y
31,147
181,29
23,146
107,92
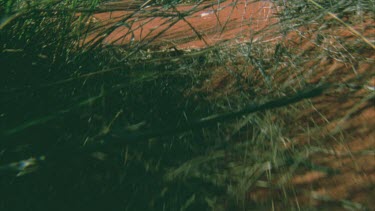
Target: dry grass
x,y
281,120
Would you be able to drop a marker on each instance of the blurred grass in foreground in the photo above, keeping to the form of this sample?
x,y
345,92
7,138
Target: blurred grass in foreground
x,y
89,125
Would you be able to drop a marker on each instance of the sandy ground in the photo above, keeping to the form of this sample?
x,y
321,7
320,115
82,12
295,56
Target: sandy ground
x,y
206,25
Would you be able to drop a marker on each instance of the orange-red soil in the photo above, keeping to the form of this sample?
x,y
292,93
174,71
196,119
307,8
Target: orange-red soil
x,y
205,25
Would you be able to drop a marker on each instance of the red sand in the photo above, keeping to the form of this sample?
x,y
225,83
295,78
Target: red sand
x,y
212,24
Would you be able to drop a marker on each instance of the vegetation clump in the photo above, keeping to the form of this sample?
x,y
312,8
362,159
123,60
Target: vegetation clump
x,y
87,122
